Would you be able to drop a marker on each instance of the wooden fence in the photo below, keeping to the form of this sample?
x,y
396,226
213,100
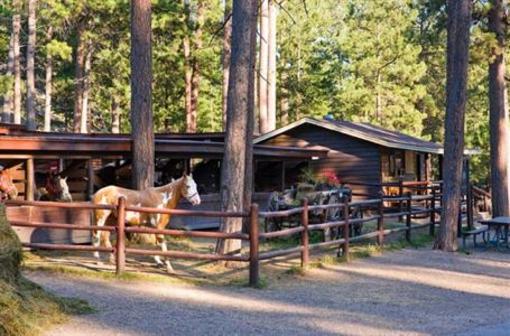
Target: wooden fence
x,y
426,204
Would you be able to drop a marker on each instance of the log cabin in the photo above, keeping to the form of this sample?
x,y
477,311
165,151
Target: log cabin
x,y
358,153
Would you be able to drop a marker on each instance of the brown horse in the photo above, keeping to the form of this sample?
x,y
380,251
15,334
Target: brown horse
x,y
167,196
7,188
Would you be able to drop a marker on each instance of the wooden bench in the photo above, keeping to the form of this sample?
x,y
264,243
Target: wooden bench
x,y
478,230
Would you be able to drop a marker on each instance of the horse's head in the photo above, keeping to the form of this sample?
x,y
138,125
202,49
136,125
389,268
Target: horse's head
x,y
7,187
64,194
189,189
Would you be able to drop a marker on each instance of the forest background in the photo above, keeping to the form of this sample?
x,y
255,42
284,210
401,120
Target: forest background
x,y
379,61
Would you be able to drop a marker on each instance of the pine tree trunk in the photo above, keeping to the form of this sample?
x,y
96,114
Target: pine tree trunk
x,y
78,78
16,30
7,105
195,77
188,74
115,115
284,108
499,123
284,98
188,70
459,21
141,95
225,57
239,111
48,85
86,92
31,94
263,66
271,78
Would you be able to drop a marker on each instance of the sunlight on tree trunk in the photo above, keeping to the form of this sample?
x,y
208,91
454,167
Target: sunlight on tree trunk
x,y
263,66
225,57
31,94
16,31
239,114
142,131
115,115
78,78
48,84
459,21
271,67
86,91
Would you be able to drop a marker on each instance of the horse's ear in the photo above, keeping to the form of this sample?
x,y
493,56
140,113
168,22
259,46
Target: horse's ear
x,y
65,178
191,175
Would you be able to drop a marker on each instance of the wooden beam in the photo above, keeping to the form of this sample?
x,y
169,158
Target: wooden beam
x,y
283,176
90,179
30,184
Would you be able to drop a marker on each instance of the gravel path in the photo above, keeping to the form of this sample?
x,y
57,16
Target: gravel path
x,y
409,292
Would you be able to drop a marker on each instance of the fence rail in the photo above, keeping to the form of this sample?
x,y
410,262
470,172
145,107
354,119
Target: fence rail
x,y
253,256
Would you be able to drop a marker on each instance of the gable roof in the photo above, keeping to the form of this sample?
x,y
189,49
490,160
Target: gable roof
x,y
367,132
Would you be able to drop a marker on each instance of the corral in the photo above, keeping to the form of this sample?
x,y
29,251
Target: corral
x,y
389,172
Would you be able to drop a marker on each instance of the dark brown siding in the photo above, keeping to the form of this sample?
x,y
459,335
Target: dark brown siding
x,y
353,160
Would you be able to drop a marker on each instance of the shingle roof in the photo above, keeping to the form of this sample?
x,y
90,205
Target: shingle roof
x,y
367,132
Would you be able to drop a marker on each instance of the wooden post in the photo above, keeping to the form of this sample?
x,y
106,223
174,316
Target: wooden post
x,y
30,180
408,217
459,219
433,212
304,235
345,247
120,250
470,206
90,179
283,176
441,193
380,222
400,203
254,245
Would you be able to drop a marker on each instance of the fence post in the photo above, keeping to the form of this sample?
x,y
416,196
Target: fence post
x,y
400,195
120,250
380,221
470,206
432,227
304,235
408,217
345,247
254,245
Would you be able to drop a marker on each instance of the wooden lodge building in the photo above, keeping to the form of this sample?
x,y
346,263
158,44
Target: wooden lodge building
x,y
358,153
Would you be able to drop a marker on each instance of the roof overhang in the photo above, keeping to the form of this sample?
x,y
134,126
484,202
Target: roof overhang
x,y
45,145
355,134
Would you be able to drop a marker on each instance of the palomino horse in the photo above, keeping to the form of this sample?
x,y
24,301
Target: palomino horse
x,y
167,196
7,188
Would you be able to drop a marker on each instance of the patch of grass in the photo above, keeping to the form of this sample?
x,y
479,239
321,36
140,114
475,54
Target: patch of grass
x,y
27,309
290,241
77,271
243,282
365,251
417,241
296,270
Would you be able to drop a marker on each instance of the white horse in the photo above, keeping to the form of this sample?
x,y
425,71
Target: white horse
x,y
55,189
167,196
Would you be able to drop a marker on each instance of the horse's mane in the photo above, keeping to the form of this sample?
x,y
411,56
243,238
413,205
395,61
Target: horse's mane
x,y
170,186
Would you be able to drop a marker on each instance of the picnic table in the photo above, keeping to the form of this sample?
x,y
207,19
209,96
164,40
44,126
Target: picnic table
x,y
500,226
